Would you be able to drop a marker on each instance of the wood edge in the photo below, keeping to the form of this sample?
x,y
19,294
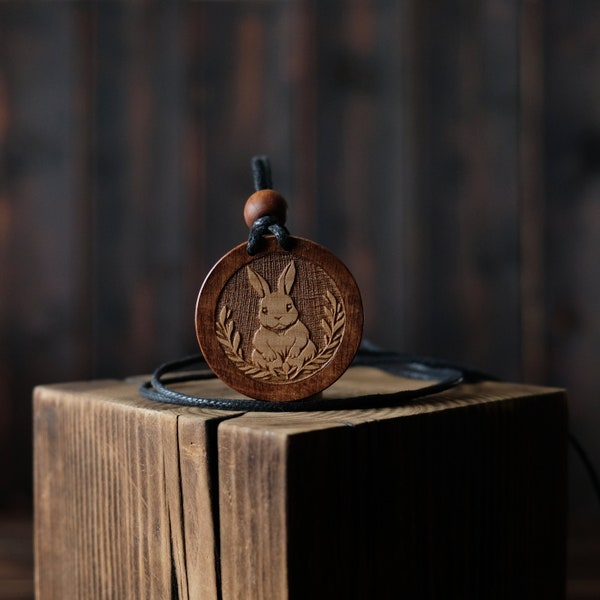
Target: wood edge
x,y
462,396
119,393
76,386
125,394
268,460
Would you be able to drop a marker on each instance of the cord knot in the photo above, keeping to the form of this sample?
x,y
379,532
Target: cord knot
x,y
265,225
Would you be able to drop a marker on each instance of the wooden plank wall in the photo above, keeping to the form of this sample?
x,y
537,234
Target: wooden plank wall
x,y
447,151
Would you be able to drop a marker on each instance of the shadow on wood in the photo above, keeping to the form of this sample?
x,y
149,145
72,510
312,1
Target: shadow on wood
x,y
460,494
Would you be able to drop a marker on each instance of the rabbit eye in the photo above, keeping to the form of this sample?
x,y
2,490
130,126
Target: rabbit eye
x,y
288,306
264,310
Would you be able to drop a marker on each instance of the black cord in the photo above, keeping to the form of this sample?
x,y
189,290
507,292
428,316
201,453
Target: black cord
x,y
261,174
265,225
444,376
405,365
587,464
400,364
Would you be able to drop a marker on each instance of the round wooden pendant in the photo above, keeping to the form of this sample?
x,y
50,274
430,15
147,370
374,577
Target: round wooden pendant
x,y
279,325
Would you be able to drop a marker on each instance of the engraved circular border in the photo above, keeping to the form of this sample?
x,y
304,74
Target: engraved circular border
x,y
228,372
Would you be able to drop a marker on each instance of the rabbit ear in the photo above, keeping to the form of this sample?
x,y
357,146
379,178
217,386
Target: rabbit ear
x,y
286,279
258,283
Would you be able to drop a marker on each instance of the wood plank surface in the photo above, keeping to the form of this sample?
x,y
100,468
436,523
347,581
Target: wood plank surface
x,y
447,152
110,502
16,558
44,222
460,493
572,213
446,497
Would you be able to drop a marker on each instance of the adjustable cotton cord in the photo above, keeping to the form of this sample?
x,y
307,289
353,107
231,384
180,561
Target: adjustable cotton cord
x,y
264,226
442,375
261,173
158,389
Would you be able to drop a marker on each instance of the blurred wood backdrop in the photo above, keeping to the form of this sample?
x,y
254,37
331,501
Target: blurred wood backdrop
x,y
449,152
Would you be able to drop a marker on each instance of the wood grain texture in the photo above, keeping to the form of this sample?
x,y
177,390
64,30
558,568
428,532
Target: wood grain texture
x,y
447,497
447,152
572,214
41,133
111,508
460,494
279,325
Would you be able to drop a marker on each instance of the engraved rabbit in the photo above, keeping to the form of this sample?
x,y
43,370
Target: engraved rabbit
x,y
282,341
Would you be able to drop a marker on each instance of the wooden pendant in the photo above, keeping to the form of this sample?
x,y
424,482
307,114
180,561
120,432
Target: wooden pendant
x,y
279,325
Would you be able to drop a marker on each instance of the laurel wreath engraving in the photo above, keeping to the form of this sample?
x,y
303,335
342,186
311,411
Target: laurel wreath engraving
x,y
333,328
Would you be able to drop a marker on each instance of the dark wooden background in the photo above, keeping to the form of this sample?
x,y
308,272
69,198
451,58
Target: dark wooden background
x,y
449,152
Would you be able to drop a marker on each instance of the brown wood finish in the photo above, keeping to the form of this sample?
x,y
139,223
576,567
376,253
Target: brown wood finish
x,y
445,151
111,501
460,494
265,203
16,558
279,325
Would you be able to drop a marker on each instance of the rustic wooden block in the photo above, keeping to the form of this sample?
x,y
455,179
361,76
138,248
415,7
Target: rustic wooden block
x,y
112,516
461,494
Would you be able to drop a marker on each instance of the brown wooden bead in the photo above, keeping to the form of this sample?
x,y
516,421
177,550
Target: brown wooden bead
x,y
265,203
